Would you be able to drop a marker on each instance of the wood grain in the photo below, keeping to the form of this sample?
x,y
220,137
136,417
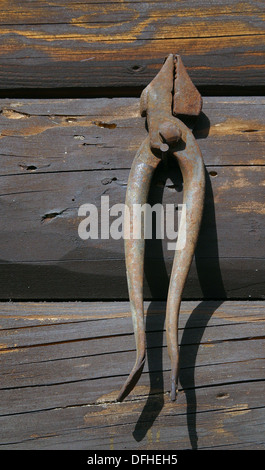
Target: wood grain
x,y
73,44
60,154
63,364
62,135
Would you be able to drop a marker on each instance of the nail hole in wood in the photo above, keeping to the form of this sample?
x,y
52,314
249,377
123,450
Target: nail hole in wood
x,y
222,395
49,216
136,68
108,180
108,125
71,119
28,167
79,137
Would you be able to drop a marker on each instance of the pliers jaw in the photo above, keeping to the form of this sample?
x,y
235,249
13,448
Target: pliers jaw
x,y
187,101
171,93
164,102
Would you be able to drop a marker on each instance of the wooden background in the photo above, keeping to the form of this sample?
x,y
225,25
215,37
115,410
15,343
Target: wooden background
x,y
64,363
67,43
71,74
58,155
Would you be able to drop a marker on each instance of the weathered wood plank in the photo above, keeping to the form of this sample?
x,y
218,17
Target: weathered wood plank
x,y
44,156
21,337
60,154
61,394
34,249
15,315
25,314
39,212
72,44
45,136
25,348
120,426
83,391
106,279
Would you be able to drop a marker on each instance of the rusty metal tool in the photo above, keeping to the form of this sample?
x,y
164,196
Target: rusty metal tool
x,y
170,94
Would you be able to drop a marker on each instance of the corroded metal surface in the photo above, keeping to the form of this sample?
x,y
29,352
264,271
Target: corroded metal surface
x,y
171,93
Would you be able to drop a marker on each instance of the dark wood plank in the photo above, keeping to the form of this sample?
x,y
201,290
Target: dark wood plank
x,y
60,154
59,391
106,279
73,44
42,256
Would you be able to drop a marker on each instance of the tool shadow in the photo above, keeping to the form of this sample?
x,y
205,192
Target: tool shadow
x,y
157,280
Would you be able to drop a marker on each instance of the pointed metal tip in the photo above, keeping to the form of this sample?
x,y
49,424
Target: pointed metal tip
x,y
131,380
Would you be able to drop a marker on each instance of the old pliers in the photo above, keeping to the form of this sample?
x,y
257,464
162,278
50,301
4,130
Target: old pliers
x,y
171,93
